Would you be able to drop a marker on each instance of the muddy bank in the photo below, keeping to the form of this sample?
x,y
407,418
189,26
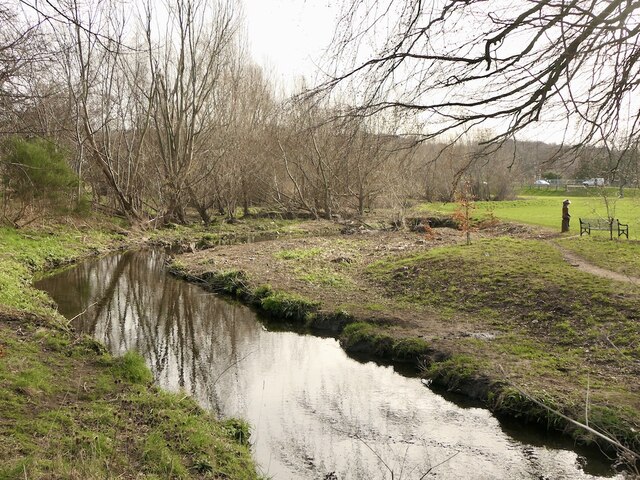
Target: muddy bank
x,y
325,284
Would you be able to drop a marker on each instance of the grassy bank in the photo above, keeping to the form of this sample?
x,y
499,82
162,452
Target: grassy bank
x,y
69,409
506,320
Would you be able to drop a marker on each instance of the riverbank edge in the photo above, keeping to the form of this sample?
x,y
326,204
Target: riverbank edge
x,y
181,407
443,369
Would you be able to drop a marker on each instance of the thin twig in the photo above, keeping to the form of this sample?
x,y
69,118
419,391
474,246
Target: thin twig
x,y
614,346
586,404
236,362
375,453
438,464
81,313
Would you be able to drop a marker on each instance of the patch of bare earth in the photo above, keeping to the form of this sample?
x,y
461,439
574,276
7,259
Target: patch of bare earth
x,y
348,256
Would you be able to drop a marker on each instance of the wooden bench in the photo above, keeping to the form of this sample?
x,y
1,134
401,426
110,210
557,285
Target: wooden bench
x,y
607,224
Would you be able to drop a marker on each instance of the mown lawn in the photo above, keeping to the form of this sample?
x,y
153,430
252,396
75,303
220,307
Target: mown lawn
x,y
546,211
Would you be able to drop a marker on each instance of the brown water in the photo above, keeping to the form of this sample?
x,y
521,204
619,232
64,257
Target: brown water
x,y
313,409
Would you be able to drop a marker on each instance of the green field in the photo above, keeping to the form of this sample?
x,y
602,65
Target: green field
x,y
546,210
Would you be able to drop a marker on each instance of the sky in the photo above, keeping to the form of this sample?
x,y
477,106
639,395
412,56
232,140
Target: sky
x,y
288,37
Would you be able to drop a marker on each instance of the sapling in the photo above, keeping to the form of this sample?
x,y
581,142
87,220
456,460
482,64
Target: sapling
x,y
465,205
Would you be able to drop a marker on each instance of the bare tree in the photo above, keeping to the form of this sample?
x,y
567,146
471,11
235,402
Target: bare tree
x,y
230,169
186,69
109,86
311,153
458,64
22,56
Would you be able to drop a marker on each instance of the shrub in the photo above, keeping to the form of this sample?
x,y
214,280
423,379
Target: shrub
x,y
35,173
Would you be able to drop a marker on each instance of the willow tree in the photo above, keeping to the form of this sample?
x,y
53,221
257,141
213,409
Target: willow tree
x,y
187,64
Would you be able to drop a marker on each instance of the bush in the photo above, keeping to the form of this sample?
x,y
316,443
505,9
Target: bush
x,y
35,173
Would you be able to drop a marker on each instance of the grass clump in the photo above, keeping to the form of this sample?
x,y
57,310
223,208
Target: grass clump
x,y
232,282
238,429
514,403
288,306
456,369
132,368
367,338
409,348
364,337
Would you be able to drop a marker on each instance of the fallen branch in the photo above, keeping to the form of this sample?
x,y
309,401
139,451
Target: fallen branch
x,y
602,436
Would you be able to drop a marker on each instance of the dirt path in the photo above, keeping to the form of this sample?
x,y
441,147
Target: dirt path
x,y
583,265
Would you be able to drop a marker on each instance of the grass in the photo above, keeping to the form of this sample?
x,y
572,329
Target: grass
x,y
365,337
298,253
69,410
74,412
315,266
546,211
222,232
543,208
81,414
524,282
24,252
288,306
622,257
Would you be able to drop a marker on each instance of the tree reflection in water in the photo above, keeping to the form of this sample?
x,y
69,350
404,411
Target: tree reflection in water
x,y
190,341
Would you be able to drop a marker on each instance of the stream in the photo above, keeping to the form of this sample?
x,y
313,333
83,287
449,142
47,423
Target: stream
x,y
315,412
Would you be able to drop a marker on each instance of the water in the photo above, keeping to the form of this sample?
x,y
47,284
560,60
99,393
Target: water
x,y
313,409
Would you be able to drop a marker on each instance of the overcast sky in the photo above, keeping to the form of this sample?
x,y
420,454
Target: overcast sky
x,y
286,37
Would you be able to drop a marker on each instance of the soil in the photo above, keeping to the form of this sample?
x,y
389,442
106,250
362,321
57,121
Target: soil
x,y
360,297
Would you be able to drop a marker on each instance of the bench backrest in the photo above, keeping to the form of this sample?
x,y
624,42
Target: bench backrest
x,y
598,222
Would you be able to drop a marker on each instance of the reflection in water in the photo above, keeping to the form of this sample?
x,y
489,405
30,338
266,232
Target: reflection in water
x,y
313,409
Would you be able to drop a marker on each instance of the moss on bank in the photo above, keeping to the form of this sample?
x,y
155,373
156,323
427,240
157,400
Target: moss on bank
x,y
367,338
70,410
